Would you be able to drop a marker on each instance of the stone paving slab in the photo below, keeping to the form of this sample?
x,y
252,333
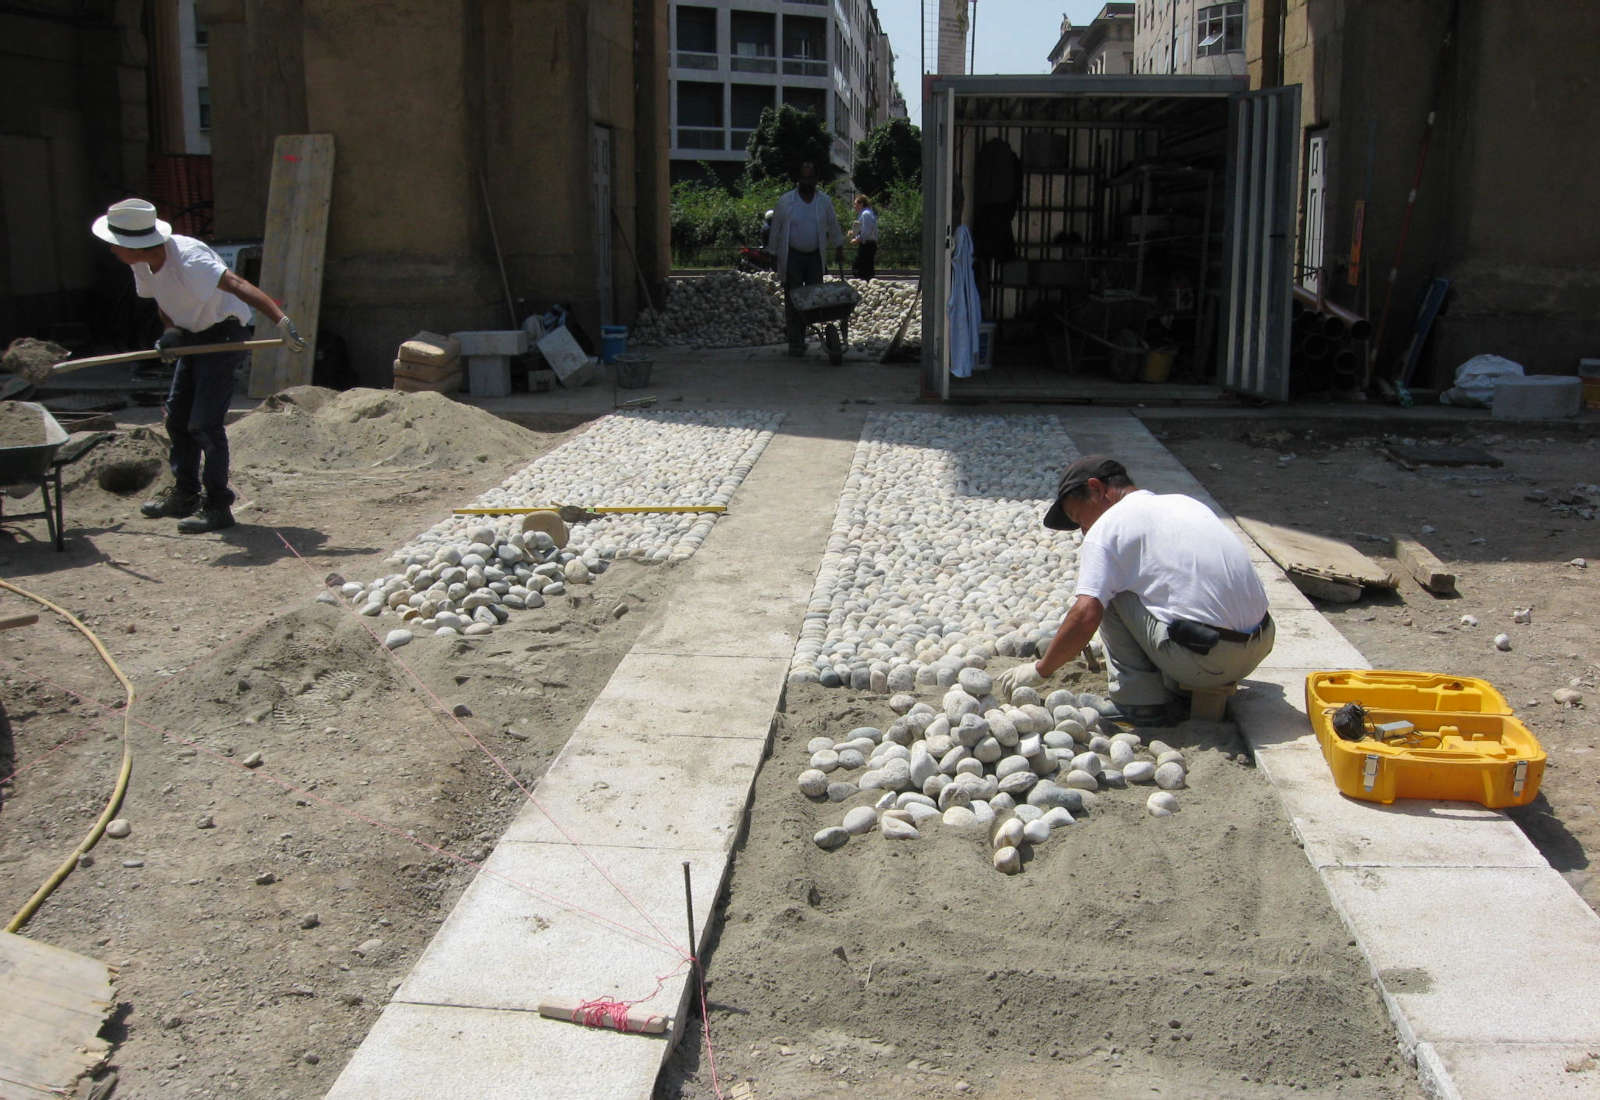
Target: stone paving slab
x,y
434,1052
555,927
1537,1071
645,790
1476,954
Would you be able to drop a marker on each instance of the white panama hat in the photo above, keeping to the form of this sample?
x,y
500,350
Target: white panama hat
x,y
132,223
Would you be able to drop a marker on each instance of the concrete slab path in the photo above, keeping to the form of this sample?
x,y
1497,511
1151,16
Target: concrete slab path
x,y
658,772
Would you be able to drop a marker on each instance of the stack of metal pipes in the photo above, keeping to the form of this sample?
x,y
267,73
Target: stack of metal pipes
x,y
1328,345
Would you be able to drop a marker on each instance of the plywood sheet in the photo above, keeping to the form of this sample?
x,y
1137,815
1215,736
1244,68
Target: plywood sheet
x,y
52,1005
1316,556
292,252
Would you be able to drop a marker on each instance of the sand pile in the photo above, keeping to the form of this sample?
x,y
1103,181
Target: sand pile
x,y
21,426
309,427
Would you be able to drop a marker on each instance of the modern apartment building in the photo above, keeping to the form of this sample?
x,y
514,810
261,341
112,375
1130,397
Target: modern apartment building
x,y
1102,45
1189,36
731,59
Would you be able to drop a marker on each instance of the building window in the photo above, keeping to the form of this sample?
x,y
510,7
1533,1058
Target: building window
x,y
1221,29
697,29
700,116
203,99
202,36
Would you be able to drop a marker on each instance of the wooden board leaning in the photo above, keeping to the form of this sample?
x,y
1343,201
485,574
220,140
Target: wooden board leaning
x,y
292,254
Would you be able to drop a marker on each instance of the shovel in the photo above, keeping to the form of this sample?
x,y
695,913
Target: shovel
x,y
39,372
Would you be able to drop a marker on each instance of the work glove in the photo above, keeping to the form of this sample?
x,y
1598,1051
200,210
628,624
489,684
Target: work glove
x,y
1023,675
170,345
291,335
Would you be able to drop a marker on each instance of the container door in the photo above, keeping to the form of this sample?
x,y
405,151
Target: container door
x,y
938,167
1263,164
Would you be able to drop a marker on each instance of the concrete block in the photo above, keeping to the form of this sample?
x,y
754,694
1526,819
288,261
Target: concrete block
x,y
726,621
1476,955
489,375
493,342
1306,640
1538,397
568,923
635,789
424,1052
705,696
1546,1070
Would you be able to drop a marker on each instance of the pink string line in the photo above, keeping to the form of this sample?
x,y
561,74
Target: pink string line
x,y
444,711
42,757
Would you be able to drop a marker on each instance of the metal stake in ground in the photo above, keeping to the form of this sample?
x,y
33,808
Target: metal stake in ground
x,y
688,900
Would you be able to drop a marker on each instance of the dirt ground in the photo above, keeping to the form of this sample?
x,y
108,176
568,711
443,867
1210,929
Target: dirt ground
x,y
260,917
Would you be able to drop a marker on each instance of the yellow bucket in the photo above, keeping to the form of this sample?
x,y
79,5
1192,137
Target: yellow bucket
x,y
1158,364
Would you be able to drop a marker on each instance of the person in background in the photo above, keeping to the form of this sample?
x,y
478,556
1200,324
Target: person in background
x,y
865,237
200,302
1169,587
803,226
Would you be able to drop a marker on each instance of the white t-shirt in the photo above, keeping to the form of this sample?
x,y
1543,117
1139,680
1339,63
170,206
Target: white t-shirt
x,y
868,225
1177,557
186,286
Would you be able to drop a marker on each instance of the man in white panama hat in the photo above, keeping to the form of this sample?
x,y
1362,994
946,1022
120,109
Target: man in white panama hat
x,y
201,302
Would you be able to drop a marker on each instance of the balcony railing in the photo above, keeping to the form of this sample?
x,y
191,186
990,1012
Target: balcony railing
x,y
740,140
694,59
749,64
702,137
795,66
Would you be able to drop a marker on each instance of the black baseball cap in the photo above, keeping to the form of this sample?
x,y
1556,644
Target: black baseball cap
x,y
1076,477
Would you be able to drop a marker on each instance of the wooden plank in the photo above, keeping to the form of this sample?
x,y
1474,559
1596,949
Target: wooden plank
x,y
292,251
1317,557
53,1003
1320,588
1426,569
11,622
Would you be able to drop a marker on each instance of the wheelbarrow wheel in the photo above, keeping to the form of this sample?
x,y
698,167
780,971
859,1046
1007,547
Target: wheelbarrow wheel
x,y
830,337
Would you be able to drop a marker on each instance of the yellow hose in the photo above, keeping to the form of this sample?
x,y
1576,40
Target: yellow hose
x,y
117,794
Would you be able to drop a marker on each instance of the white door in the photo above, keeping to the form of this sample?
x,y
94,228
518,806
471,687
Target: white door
x,y
602,220
1263,156
1316,207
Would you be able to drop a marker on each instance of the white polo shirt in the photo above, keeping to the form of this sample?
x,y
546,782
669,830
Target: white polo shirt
x,y
186,288
1175,555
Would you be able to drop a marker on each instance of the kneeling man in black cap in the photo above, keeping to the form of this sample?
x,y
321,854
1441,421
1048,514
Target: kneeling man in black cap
x,y
1169,587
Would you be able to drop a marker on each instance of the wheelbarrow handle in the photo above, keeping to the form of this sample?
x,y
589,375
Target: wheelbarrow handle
x,y
153,353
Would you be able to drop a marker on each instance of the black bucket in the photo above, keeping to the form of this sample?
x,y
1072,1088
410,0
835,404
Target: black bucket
x,y
633,371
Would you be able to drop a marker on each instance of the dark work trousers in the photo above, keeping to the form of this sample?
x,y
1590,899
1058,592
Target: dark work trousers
x,y
866,265
197,411
804,269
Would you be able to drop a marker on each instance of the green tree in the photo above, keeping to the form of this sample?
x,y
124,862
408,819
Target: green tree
x,y
890,154
784,139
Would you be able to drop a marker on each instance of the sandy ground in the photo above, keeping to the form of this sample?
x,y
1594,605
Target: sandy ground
x,y
260,917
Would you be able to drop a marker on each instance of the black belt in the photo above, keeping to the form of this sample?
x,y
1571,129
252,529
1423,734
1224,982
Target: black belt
x,y
1236,636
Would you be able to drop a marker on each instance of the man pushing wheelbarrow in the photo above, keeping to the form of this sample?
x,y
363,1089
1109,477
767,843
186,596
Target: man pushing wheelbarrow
x,y
804,226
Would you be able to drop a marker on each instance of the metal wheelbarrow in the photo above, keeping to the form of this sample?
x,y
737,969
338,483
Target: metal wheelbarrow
x,y
34,463
822,305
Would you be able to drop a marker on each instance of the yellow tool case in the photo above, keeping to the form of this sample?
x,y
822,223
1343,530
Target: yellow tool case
x,y
1425,736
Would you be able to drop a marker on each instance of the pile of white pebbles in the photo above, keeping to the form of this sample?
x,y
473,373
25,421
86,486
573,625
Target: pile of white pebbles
x,y
466,574
1014,771
938,560
738,309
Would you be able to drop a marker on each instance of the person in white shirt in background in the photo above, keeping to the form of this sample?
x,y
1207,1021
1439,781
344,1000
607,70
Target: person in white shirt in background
x,y
865,238
200,302
803,226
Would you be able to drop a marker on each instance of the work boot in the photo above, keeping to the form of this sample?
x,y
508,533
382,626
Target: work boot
x,y
212,517
170,502
1169,713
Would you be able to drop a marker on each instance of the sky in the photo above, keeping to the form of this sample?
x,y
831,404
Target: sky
x,y
1013,36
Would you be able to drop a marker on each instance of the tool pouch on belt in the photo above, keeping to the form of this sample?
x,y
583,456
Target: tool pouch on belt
x,y
1195,637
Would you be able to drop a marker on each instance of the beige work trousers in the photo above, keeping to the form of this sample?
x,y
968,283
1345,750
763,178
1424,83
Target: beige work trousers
x,y
1148,668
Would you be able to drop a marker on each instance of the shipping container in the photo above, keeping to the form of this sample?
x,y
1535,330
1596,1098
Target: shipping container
x,y
1132,235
